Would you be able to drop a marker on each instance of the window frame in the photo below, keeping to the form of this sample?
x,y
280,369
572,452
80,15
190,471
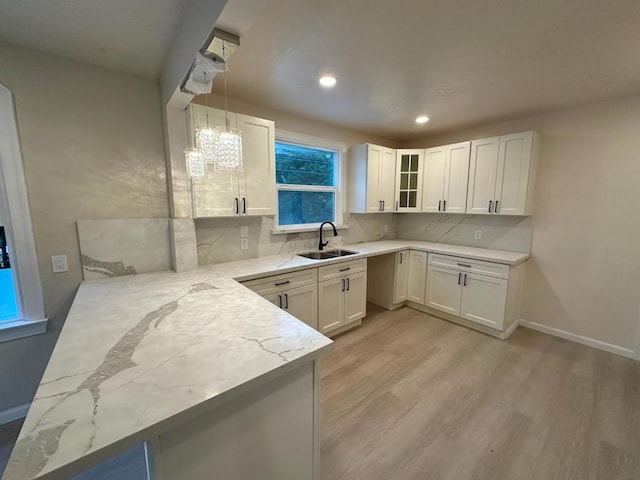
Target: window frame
x,y
302,140
14,202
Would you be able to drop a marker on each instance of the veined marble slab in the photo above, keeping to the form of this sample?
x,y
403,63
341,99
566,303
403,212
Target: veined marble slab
x,y
113,248
253,268
138,355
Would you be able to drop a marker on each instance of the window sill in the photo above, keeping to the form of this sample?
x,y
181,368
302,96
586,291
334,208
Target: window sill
x,y
15,329
285,230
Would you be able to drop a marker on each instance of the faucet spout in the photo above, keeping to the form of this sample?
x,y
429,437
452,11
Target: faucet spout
x,y
322,244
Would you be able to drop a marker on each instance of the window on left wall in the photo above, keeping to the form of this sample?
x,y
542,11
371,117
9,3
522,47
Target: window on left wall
x,y
8,301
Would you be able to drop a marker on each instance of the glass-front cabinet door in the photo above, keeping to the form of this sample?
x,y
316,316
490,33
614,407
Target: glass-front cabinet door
x,y
409,165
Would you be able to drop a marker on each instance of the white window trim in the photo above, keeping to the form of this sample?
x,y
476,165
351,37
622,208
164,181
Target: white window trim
x,y
14,203
304,140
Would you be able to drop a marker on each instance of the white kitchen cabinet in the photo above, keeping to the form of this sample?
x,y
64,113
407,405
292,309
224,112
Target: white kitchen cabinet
x,y
502,174
409,173
402,276
456,290
372,171
249,192
417,276
446,175
342,295
295,292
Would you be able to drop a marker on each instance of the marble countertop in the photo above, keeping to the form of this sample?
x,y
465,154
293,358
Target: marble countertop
x,y
139,355
252,268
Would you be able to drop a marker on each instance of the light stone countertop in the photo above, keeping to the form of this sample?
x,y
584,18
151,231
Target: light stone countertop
x,y
139,355
253,268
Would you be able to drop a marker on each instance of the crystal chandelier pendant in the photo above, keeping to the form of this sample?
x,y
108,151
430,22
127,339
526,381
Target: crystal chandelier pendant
x,y
206,138
196,164
228,150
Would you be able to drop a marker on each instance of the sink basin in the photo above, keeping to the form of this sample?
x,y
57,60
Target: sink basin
x,y
327,254
317,255
341,253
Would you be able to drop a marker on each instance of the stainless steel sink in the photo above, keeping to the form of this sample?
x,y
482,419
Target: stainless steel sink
x,y
326,255
341,253
317,255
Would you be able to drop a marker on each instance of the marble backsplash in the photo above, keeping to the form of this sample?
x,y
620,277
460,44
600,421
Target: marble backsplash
x,y
498,232
219,239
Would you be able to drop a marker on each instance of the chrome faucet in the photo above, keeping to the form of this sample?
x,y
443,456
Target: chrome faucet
x,y
322,244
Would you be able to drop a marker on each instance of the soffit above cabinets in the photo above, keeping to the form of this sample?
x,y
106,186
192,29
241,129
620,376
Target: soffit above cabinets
x,y
460,62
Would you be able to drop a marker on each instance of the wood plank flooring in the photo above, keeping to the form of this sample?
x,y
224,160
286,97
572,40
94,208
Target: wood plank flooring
x,y
410,396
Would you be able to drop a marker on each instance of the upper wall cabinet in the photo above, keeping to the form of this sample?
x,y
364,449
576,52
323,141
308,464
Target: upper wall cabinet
x,y
446,172
249,192
409,168
502,174
372,171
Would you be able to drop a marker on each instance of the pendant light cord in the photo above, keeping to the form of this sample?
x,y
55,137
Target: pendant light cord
x,y
226,105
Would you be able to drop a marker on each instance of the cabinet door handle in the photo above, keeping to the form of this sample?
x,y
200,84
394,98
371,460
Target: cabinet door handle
x,y
495,210
237,203
400,257
465,280
348,284
459,278
277,284
379,205
345,269
490,205
244,206
343,285
464,265
397,205
444,205
286,301
383,205
280,301
439,205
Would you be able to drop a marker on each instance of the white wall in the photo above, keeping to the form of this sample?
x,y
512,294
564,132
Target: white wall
x,y
93,149
584,277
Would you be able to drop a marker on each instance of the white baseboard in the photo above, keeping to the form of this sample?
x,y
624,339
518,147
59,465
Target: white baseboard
x,y
607,347
511,329
15,413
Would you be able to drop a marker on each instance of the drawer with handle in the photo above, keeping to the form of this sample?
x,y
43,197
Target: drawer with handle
x,y
341,269
276,283
472,266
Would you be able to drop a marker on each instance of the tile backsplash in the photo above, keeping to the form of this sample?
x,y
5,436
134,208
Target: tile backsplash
x,y
219,239
497,232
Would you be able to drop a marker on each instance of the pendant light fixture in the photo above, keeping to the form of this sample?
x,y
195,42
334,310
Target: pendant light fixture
x,y
227,144
196,164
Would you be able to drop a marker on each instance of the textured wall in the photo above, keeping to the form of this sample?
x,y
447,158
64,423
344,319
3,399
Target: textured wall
x,y
93,149
497,232
219,239
584,276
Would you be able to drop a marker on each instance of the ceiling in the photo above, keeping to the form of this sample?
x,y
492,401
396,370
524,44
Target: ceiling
x,y
126,35
460,62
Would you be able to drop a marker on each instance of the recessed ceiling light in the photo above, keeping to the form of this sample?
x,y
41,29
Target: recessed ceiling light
x,y
422,119
327,81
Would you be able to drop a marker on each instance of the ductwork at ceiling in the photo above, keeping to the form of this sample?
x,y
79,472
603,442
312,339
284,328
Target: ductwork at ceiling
x,y
209,63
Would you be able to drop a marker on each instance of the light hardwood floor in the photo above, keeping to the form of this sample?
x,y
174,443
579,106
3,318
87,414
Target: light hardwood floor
x,y
409,396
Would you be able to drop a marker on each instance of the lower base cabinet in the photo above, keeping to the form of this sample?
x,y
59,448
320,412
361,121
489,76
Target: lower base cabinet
x,y
417,276
341,301
457,290
300,302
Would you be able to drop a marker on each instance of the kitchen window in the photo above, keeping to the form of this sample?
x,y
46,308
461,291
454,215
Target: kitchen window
x,y
308,181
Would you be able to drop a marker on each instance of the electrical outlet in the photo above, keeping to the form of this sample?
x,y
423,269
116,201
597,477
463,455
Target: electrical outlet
x,y
244,231
244,244
386,229
477,234
59,263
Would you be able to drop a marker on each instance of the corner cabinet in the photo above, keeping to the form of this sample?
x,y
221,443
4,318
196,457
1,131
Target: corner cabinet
x,y
342,295
372,170
409,168
502,174
446,173
401,276
228,194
